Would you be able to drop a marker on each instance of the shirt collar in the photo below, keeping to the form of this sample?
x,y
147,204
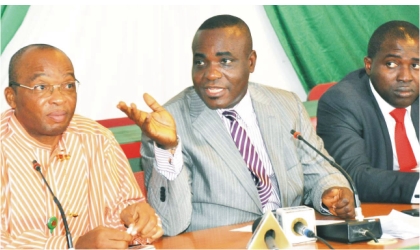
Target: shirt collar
x,y
243,108
385,107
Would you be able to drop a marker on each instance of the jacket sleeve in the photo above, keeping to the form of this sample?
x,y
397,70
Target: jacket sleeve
x,y
170,199
345,128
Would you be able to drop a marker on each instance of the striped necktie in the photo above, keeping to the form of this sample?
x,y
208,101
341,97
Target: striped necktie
x,y
406,158
255,165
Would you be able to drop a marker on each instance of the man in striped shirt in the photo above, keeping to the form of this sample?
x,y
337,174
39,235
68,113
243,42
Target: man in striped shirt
x,y
81,160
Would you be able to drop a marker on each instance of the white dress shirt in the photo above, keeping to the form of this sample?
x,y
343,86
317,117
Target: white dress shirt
x,y
386,108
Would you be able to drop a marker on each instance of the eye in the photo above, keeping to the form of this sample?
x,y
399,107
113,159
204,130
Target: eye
x,y
391,64
415,65
41,87
69,85
226,61
199,62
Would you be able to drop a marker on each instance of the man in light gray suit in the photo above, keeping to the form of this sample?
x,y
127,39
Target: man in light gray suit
x,y
195,175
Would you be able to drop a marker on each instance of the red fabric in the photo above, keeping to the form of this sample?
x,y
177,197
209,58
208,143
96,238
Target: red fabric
x,y
131,150
116,122
140,180
317,91
406,158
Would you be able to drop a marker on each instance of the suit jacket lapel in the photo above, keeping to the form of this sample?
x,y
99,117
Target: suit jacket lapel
x,y
270,126
382,123
208,123
415,116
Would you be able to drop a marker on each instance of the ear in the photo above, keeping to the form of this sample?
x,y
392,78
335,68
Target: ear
x,y
252,61
10,95
368,64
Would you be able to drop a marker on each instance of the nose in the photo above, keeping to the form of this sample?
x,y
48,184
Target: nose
x,y
405,74
56,96
213,73
53,87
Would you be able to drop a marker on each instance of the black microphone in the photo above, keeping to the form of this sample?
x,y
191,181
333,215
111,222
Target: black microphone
x,y
269,236
37,167
351,230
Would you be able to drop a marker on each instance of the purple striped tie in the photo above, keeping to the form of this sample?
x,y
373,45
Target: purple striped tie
x,y
255,165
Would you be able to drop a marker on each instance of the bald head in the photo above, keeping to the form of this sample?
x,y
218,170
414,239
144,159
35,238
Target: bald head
x,y
15,61
392,30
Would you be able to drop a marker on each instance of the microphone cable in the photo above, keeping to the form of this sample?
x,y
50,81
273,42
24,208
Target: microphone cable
x,y
301,229
37,167
370,234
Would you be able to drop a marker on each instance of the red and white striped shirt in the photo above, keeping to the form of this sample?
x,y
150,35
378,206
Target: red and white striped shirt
x,y
96,183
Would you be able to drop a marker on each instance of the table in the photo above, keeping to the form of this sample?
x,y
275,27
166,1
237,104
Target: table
x,y
222,237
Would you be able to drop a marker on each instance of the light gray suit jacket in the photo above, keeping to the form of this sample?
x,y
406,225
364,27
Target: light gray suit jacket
x,y
214,187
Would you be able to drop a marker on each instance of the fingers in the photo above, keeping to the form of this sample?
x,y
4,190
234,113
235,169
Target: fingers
x,y
340,202
103,237
143,219
345,205
133,113
152,103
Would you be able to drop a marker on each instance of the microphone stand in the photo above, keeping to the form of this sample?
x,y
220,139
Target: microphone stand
x,y
37,167
351,230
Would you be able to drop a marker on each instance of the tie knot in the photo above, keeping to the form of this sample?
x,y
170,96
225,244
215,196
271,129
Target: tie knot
x,y
230,114
398,114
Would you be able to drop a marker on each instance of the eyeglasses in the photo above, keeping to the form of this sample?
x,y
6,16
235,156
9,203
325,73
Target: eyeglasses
x,y
42,89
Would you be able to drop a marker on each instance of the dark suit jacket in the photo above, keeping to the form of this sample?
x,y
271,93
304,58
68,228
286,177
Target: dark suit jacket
x,y
355,134
214,187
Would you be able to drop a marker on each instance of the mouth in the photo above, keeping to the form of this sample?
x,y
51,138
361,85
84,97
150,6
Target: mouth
x,y
58,116
403,92
213,92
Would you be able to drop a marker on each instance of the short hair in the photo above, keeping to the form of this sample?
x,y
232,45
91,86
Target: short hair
x,y
395,29
14,61
223,21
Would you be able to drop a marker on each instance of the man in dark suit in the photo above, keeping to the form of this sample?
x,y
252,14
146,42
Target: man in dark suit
x,y
356,122
200,179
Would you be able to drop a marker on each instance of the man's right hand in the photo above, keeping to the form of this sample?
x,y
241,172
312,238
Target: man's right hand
x,y
157,125
103,237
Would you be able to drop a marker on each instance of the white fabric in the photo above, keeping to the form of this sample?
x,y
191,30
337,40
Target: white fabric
x,y
121,51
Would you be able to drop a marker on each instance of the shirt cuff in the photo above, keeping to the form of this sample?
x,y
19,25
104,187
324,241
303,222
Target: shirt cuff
x,y
324,209
169,162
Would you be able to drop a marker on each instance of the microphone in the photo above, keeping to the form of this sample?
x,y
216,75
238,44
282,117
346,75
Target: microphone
x,y
351,230
37,167
301,229
268,234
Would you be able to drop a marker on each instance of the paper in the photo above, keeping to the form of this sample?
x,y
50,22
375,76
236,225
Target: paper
x,y
243,229
399,225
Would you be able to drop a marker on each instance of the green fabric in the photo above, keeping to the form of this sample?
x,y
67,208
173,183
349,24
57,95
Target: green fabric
x,y
127,134
311,107
11,18
135,164
324,43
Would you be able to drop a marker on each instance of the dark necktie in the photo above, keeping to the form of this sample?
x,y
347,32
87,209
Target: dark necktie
x,y
405,154
250,155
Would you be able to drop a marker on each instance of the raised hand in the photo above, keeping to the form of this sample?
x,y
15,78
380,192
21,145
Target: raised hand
x,y
157,125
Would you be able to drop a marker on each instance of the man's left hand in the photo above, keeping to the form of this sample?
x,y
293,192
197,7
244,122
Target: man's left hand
x,y
340,202
146,223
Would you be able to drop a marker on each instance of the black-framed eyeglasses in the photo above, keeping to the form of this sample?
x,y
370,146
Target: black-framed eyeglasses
x,y
41,89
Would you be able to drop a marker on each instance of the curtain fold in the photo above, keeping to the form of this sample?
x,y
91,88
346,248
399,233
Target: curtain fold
x,y
12,17
324,43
